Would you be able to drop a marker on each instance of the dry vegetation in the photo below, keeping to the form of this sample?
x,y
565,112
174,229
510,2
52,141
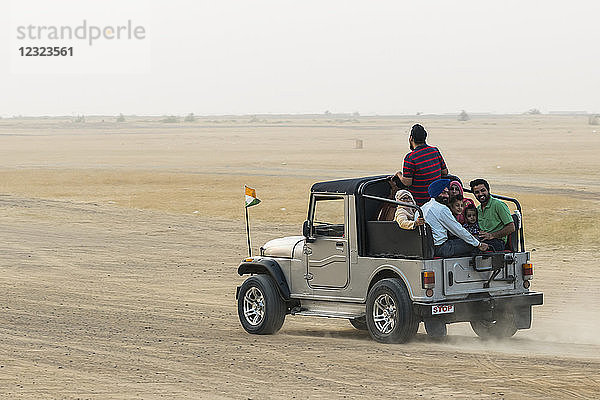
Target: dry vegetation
x,y
549,218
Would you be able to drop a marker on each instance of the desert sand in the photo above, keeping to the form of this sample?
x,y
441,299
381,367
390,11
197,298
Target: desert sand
x,y
120,244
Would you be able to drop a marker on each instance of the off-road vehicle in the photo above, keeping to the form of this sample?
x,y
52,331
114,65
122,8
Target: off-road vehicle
x,y
382,278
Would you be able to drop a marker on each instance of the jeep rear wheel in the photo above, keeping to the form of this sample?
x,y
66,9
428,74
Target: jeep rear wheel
x,y
390,318
260,307
502,327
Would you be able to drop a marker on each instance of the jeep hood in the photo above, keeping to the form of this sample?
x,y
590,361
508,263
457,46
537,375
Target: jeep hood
x,y
282,247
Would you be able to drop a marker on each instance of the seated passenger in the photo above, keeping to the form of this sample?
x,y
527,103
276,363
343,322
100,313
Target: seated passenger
x,y
493,215
471,224
456,189
439,217
405,216
456,205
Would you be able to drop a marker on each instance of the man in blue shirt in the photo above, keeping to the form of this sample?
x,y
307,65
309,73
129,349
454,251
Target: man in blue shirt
x,y
440,218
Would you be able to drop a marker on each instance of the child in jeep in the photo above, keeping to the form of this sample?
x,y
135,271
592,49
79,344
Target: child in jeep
x,y
456,205
471,224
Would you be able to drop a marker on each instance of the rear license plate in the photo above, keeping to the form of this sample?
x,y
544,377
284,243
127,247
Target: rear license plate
x,y
445,309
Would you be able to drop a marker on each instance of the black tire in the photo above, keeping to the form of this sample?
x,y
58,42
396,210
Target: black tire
x,y
436,329
503,327
359,323
390,318
261,309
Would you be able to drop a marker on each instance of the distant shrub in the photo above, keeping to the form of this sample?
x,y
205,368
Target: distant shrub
x,y
121,118
189,118
463,116
170,119
594,119
79,119
533,111
254,120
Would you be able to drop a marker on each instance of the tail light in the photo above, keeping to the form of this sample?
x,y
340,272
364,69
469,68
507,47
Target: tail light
x,y
428,279
527,271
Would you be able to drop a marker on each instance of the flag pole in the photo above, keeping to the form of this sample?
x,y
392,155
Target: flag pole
x,y
250,200
248,233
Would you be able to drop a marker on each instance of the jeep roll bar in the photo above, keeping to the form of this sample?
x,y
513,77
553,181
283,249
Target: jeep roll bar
x,y
362,187
400,203
361,190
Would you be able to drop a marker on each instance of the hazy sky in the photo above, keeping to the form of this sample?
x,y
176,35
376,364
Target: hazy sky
x,y
375,57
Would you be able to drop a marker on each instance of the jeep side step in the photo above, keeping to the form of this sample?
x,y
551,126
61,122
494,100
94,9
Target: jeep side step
x,y
329,309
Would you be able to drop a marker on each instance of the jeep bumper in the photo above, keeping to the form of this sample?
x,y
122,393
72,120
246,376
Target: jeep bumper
x,y
484,308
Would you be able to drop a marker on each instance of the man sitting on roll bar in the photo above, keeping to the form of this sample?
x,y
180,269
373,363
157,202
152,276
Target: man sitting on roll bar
x,y
423,165
494,217
441,220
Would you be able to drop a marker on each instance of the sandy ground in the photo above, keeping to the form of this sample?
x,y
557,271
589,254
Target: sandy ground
x,y
120,244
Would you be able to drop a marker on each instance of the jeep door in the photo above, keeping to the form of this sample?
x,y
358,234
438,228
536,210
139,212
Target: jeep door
x,y
327,253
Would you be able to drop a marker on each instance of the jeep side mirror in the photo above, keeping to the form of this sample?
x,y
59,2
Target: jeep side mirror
x,y
306,228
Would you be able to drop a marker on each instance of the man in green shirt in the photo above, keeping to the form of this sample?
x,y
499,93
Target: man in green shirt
x,y
495,221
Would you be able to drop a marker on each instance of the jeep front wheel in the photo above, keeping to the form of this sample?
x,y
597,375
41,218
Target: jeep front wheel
x,y
390,318
260,307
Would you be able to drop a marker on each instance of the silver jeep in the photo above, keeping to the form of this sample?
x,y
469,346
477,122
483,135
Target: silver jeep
x,y
382,278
